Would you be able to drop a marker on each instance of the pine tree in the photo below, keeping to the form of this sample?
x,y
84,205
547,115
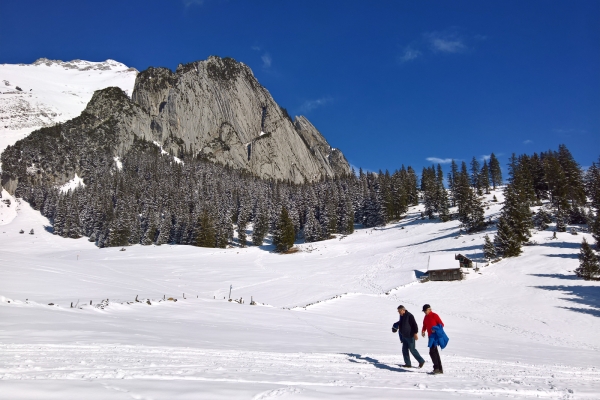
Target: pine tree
x,y
471,214
573,175
430,191
484,177
542,219
205,230
495,171
312,228
592,185
443,205
507,244
284,236
261,224
589,267
453,182
164,230
475,177
561,221
489,251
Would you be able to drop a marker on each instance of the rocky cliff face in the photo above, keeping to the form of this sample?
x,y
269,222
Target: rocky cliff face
x,y
213,109
218,110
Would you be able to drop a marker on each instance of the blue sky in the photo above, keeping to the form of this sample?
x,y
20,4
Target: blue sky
x,y
388,82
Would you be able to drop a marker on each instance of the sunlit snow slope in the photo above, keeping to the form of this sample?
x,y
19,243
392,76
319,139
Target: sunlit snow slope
x,y
51,91
524,327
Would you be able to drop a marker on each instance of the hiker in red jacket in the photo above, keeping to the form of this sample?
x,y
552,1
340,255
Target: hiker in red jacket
x,y
432,319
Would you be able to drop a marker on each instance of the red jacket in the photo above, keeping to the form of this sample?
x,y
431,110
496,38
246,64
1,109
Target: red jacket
x,y
431,320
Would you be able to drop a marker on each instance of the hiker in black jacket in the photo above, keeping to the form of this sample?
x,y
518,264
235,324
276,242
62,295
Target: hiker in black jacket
x,y
408,330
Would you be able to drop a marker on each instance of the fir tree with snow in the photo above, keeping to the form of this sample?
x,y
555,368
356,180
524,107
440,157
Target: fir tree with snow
x,y
589,266
495,171
489,251
284,236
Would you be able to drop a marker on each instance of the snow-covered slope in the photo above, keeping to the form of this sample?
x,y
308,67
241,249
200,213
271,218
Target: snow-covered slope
x,y
51,91
524,327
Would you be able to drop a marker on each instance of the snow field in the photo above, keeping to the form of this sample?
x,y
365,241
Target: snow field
x,y
521,328
52,92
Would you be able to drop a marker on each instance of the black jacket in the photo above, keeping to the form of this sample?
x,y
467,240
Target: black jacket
x,y
407,325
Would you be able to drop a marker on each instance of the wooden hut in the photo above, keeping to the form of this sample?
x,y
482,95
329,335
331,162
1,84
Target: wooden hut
x,y
464,261
443,267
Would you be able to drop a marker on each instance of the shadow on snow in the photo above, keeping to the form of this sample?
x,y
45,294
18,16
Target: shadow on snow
x,y
583,295
357,358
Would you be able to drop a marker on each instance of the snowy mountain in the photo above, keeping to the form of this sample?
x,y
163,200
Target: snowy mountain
x,y
51,91
523,327
213,109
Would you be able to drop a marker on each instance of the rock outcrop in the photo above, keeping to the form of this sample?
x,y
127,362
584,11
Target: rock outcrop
x,y
218,110
213,109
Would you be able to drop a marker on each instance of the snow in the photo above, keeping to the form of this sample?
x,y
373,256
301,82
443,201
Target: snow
x,y
163,152
52,91
442,261
524,327
72,184
118,163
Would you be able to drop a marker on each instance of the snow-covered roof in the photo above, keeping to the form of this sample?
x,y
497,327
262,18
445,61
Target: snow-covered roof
x,y
442,261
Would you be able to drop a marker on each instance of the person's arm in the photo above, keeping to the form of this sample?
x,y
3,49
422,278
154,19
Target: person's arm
x,y
424,328
414,328
439,320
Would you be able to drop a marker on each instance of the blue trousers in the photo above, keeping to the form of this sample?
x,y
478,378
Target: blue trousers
x,y
408,344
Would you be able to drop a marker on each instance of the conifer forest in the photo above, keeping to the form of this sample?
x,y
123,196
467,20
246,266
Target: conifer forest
x,y
152,198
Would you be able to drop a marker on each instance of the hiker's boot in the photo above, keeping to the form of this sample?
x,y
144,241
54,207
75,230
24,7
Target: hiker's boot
x,y
438,372
421,364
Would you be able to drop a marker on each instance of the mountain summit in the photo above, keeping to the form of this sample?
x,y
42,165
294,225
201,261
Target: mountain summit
x,y
216,109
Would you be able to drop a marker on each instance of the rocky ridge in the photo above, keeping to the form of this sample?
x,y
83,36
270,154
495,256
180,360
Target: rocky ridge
x,y
217,109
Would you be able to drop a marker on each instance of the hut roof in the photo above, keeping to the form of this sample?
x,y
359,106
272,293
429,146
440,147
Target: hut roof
x,y
442,261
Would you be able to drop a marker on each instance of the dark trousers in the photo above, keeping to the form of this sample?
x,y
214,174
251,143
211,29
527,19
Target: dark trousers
x,y
435,358
408,344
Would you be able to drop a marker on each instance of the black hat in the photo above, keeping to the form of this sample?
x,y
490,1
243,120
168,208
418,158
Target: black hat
x,y
425,307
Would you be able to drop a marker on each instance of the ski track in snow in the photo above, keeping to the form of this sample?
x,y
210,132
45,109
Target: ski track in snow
x,y
371,371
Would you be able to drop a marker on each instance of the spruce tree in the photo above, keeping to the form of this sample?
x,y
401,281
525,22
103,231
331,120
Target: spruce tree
x,y
284,236
573,175
312,228
589,267
443,204
205,230
453,182
261,224
475,177
484,177
507,244
495,171
489,251
542,219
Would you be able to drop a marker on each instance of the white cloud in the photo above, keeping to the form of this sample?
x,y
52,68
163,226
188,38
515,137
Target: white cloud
x,y
439,160
527,141
409,54
256,48
485,157
446,42
310,105
267,60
